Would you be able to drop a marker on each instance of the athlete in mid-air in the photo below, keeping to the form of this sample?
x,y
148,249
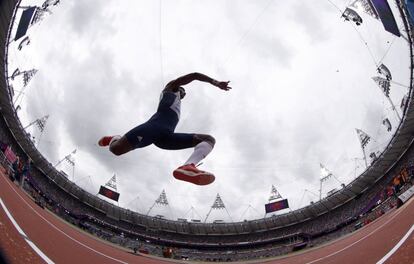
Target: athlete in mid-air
x,y
159,130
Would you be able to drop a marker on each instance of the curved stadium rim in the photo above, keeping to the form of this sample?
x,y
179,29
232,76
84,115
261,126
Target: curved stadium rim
x,y
399,144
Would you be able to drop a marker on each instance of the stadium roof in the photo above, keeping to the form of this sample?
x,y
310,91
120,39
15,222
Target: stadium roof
x,y
398,145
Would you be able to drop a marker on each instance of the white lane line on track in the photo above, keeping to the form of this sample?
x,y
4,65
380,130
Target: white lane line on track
x,y
55,227
31,244
356,242
397,246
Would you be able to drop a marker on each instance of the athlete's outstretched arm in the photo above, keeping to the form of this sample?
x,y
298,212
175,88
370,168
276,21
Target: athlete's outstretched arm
x,y
195,76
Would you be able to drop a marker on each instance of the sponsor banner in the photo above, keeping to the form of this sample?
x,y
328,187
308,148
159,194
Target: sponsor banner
x,y
386,16
24,22
276,206
108,193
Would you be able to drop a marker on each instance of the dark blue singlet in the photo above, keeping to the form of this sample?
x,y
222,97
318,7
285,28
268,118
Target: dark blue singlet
x,y
159,129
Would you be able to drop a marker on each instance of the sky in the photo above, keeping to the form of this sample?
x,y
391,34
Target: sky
x,y
301,79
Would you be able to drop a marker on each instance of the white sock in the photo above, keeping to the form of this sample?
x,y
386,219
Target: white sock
x,y
200,152
114,138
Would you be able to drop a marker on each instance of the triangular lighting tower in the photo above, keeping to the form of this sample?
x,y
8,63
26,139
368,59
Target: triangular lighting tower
x,y
274,194
218,204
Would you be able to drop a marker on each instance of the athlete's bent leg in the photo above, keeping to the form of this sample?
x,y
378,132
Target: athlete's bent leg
x,y
203,145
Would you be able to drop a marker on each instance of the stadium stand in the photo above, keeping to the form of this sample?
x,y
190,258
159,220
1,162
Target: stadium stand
x,y
216,244
371,195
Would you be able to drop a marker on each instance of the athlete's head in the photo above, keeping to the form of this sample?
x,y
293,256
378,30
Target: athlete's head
x,y
182,92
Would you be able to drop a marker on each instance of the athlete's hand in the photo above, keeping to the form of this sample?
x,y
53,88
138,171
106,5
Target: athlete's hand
x,y
222,85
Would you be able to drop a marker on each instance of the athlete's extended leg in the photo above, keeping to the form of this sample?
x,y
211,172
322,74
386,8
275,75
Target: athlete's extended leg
x,y
117,145
120,146
138,137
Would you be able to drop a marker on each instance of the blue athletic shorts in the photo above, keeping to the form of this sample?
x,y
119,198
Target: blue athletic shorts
x,y
161,136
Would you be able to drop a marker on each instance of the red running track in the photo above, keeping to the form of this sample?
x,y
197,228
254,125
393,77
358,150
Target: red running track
x,y
62,243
